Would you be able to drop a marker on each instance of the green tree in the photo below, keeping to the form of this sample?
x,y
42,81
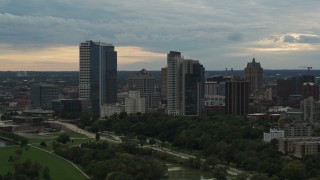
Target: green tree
x,y
43,144
242,176
46,174
220,172
259,176
152,141
97,136
116,175
63,138
294,170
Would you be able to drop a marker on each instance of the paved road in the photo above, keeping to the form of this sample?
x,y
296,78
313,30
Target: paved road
x,y
75,128
168,151
117,140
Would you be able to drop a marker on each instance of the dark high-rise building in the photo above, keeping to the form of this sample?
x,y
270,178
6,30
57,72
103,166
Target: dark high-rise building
x,y
43,94
145,83
237,97
163,83
185,85
193,88
254,74
69,108
310,90
298,81
98,75
284,89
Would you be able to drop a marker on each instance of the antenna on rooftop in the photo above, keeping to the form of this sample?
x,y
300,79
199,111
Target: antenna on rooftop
x,y
309,68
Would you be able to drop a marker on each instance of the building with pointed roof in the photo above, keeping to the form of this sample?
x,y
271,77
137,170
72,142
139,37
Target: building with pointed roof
x,y
254,74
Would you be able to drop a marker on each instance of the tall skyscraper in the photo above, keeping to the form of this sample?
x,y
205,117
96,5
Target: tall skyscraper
x,y
254,74
174,88
145,83
237,97
185,85
98,75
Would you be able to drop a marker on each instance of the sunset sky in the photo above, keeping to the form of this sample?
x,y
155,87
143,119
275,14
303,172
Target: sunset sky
x,y
44,35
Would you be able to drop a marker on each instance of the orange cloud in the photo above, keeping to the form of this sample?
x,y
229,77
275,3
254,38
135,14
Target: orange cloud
x,y
63,58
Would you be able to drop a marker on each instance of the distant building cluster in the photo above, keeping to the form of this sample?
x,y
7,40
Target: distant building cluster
x,y
182,88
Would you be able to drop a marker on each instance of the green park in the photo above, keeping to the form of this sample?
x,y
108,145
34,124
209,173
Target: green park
x,y
40,149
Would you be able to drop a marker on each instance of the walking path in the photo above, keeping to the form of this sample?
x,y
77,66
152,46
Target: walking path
x,y
117,140
75,128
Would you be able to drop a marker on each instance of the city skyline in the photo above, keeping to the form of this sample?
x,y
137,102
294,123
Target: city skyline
x,y
43,35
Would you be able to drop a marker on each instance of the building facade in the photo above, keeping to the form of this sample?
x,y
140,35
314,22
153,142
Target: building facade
x,y
109,110
163,83
304,148
299,147
211,88
298,130
237,97
145,83
135,103
174,85
311,110
98,75
43,94
254,74
185,85
67,107
273,134
310,89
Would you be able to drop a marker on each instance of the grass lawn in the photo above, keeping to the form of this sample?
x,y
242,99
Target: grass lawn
x,y
38,138
59,168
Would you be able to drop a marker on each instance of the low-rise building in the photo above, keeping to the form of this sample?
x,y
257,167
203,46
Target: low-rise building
x,y
298,130
134,103
288,145
307,148
273,134
109,110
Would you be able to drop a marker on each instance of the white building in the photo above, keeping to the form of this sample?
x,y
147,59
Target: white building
x,y
273,134
279,109
134,103
109,110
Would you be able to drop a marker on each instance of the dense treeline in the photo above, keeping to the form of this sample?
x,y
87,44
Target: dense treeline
x,y
27,170
223,139
110,161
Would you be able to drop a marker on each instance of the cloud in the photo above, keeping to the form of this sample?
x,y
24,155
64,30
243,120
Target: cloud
x,y
67,58
218,33
235,37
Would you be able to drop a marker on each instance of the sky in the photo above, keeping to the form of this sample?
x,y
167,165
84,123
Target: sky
x,y
44,35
